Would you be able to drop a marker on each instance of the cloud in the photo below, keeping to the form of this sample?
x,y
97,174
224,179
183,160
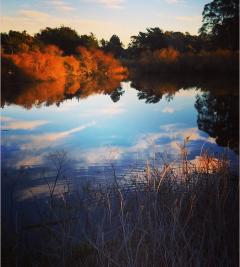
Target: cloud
x,y
12,124
172,1
113,4
28,13
3,119
32,21
168,110
45,140
101,155
110,110
30,160
60,5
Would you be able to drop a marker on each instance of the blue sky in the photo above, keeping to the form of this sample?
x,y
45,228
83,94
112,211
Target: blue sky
x,y
103,17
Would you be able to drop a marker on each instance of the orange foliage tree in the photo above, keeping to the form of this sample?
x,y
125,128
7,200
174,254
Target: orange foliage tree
x,y
49,64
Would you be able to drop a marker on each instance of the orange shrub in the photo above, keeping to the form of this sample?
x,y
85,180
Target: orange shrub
x,y
42,66
49,64
88,62
166,54
95,62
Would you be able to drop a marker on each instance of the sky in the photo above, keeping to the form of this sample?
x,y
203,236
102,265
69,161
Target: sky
x,y
102,17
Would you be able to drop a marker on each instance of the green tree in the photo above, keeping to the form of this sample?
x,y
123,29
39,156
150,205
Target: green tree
x,y
221,22
152,39
89,41
14,42
114,46
218,116
65,38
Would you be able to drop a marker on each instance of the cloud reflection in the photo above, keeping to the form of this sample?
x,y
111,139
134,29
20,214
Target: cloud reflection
x,y
46,140
146,145
12,124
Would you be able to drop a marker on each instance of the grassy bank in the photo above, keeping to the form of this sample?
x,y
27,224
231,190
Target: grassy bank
x,y
176,215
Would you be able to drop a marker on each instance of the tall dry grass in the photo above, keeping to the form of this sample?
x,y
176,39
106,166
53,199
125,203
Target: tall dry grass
x,y
184,215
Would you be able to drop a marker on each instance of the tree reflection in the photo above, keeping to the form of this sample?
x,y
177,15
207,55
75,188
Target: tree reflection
x,y
217,106
115,95
30,95
218,116
152,88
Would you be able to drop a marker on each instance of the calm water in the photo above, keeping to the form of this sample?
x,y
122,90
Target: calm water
x,y
139,120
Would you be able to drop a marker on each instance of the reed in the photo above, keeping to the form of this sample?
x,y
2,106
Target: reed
x,y
176,215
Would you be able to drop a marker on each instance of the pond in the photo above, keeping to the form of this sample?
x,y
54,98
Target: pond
x,y
146,118
61,143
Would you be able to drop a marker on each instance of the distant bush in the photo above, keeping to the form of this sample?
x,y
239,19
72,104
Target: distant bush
x,y
171,60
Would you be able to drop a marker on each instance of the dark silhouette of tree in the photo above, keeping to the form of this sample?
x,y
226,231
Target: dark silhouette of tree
x,y
14,42
149,97
155,39
115,95
89,41
221,22
113,46
218,116
151,40
66,39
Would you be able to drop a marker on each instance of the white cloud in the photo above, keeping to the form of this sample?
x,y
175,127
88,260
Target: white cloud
x,y
12,124
45,140
109,110
101,155
5,119
168,110
28,13
60,5
172,1
113,4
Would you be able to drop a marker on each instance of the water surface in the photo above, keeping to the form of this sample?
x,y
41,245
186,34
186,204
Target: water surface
x,y
121,124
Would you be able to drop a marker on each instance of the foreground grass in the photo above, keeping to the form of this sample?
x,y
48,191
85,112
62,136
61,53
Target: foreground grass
x,y
184,216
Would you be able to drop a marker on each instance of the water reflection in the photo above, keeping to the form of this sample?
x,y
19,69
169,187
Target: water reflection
x,y
49,93
218,108
118,127
218,116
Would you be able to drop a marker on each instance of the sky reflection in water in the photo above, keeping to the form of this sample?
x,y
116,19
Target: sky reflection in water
x,y
96,131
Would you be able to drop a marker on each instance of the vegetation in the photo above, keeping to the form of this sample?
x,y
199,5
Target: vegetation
x,y
221,23
215,49
175,214
49,64
168,215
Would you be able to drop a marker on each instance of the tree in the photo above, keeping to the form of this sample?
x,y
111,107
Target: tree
x,y
218,116
113,46
116,94
14,42
67,39
221,22
89,41
153,39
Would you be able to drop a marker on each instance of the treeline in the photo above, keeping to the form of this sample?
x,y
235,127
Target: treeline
x,y
214,49
53,54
